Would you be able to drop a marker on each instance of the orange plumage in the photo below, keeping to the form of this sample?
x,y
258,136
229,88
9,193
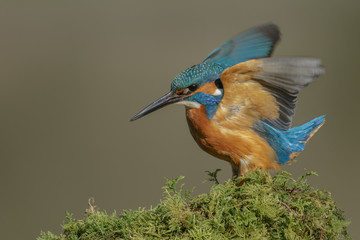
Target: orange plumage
x,y
228,135
240,110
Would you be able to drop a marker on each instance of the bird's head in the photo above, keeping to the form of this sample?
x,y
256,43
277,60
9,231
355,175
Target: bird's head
x,y
196,86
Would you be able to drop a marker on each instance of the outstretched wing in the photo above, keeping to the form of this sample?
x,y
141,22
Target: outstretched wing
x,y
254,43
266,89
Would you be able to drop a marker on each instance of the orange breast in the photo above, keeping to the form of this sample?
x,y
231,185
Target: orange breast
x,y
239,145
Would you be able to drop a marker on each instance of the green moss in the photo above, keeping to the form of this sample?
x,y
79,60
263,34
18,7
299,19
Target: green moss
x,y
264,207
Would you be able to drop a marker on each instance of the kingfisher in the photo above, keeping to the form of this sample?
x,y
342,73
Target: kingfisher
x,y
240,101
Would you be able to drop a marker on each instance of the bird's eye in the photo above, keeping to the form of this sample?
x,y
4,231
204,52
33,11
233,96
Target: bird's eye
x,y
218,84
193,87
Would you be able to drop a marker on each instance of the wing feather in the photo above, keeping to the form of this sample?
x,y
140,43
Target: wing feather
x,y
257,42
266,89
284,78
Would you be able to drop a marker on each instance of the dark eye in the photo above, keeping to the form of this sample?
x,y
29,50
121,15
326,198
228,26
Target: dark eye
x,y
218,84
193,87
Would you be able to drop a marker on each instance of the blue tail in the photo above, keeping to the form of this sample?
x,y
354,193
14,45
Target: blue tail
x,y
287,142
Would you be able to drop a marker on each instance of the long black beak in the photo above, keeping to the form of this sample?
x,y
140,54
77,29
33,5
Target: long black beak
x,y
161,102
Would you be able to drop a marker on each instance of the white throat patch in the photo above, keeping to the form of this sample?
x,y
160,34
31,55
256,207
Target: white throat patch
x,y
189,104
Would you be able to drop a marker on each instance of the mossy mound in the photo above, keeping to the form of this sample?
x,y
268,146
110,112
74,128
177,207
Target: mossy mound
x,y
263,207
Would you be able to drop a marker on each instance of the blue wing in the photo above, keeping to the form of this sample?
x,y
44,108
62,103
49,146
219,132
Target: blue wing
x,y
254,43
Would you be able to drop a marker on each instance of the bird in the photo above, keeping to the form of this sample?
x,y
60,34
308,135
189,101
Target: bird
x,y
240,101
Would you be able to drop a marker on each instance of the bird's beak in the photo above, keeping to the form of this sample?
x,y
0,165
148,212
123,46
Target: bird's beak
x,y
165,100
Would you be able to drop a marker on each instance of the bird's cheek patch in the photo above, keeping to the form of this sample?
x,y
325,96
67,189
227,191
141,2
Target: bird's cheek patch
x,y
209,88
217,92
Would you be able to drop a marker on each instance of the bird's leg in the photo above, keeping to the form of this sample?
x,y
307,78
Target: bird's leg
x,y
241,182
236,172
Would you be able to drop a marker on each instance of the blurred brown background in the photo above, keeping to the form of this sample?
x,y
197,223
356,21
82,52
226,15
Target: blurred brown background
x,y
72,73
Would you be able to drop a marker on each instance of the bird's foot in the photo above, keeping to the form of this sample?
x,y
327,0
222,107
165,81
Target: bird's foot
x,y
239,184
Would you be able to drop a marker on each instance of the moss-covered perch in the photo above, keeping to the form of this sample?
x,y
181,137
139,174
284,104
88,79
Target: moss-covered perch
x,y
264,207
